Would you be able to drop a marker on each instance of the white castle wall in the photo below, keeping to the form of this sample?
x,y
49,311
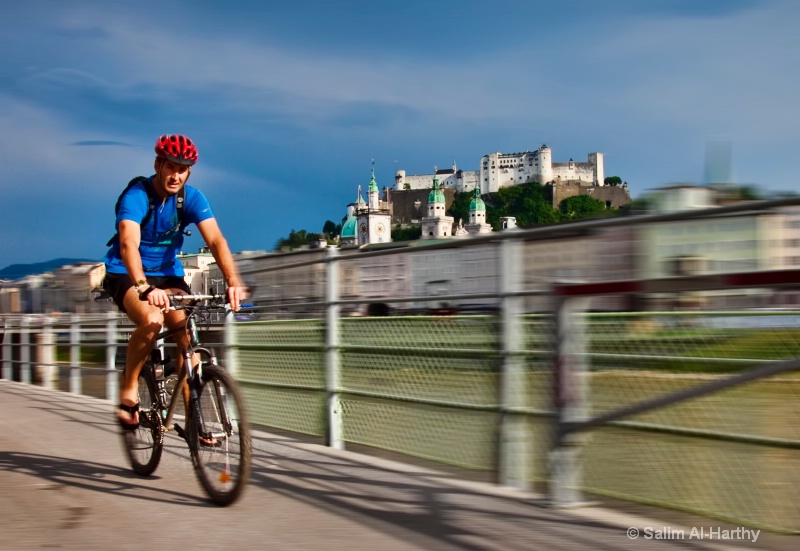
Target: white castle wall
x,y
581,172
459,180
497,170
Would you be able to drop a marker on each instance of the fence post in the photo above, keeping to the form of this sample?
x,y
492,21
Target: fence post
x,y
25,351
8,366
46,371
515,453
75,385
333,415
570,400
112,378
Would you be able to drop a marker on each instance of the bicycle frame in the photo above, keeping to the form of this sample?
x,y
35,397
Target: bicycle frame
x,y
191,373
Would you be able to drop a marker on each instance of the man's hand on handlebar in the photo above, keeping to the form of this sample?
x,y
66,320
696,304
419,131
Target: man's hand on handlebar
x,y
158,298
236,295
161,298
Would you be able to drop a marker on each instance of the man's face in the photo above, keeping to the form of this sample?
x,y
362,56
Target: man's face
x,y
170,177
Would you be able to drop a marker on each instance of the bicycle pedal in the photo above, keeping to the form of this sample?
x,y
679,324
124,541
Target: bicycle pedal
x,y
179,429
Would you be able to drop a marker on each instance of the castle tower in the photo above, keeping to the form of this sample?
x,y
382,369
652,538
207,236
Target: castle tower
x,y
400,179
545,165
596,160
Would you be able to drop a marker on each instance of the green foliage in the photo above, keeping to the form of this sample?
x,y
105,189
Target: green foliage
x,y
411,233
299,238
612,181
581,206
529,203
331,229
459,210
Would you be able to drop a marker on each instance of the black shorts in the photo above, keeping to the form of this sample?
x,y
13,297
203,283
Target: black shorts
x,y
117,285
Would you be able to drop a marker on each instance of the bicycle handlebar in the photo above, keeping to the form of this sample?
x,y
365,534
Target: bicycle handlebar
x,y
217,301
212,298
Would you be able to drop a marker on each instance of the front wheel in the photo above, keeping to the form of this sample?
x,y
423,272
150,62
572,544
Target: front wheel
x,y
220,444
145,444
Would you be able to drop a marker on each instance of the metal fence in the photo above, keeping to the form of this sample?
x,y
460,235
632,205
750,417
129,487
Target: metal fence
x,y
694,410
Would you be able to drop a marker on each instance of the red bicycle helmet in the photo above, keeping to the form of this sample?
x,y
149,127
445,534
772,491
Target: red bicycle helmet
x,y
176,148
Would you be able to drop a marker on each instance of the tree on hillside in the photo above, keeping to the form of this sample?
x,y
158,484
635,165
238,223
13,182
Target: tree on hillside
x,y
612,181
459,210
527,202
581,206
299,238
411,233
330,229
537,210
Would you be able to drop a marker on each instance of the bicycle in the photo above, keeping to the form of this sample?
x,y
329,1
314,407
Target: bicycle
x,y
216,431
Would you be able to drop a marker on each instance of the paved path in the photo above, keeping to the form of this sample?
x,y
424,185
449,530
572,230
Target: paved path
x,y
65,485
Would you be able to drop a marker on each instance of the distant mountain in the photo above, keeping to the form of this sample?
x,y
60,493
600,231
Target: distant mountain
x,y
17,271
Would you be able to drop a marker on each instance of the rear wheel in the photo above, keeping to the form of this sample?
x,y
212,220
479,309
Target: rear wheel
x,y
221,446
145,444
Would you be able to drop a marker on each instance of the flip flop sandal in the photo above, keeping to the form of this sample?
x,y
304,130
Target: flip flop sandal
x,y
132,410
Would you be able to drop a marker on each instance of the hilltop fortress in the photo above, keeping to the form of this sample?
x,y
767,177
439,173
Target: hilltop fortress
x,y
498,170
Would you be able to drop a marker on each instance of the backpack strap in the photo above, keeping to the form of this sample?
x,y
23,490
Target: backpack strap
x,y
150,199
180,199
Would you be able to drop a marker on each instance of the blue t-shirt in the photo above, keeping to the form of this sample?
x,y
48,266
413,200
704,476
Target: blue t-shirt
x,y
162,239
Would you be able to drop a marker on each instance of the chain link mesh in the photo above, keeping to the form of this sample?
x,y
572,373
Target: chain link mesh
x,y
726,454
281,369
431,386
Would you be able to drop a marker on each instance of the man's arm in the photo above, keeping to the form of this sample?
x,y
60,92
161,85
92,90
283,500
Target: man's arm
x,y
218,246
130,235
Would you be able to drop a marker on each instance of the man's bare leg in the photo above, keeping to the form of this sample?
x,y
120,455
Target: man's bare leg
x,y
148,321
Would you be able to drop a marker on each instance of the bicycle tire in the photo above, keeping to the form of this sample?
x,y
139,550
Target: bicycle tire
x,y
145,444
222,469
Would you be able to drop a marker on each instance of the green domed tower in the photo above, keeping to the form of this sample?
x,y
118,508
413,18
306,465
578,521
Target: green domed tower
x,y
436,195
476,204
477,214
437,224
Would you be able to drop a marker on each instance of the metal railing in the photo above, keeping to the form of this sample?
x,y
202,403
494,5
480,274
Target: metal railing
x,y
692,410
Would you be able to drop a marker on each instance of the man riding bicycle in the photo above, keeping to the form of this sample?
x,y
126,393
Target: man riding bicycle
x,y
142,268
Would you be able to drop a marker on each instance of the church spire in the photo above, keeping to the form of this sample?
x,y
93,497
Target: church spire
x,y
373,193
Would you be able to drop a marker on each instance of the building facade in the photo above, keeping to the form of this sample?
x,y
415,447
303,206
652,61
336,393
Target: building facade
x,y
498,170
449,178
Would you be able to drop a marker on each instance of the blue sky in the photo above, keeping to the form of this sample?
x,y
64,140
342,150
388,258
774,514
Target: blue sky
x,y
290,102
